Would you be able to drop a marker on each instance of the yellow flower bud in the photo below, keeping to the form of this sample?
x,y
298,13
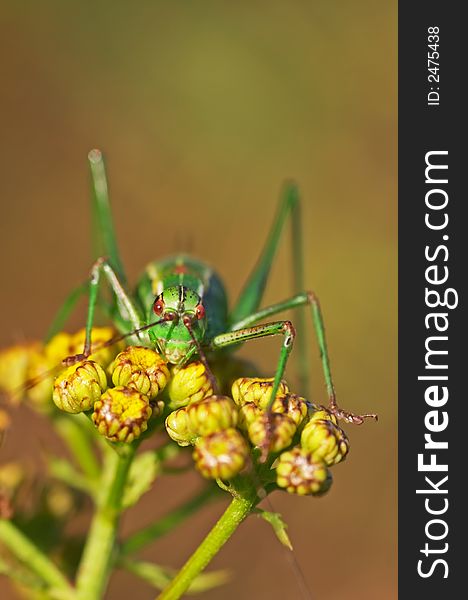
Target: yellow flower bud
x,y
121,414
273,429
221,455
299,474
292,405
319,413
140,368
212,414
325,441
256,390
178,427
189,384
78,387
247,414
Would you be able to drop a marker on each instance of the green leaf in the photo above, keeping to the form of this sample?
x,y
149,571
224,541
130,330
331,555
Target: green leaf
x,y
279,526
159,577
144,470
61,469
207,581
20,574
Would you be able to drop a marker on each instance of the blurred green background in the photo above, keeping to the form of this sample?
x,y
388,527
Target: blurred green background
x,y
203,109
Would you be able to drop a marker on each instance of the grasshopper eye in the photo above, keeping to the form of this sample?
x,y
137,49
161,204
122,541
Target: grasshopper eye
x,y
200,311
158,307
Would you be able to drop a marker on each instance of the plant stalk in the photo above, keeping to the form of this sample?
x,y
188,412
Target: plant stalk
x,y
98,554
29,554
239,508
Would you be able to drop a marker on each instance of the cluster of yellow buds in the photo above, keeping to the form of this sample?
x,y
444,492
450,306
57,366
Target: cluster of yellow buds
x,y
121,387
206,421
271,430
121,394
304,469
302,440
120,413
28,370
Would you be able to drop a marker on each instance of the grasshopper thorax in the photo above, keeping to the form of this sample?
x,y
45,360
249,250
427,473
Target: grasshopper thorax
x,y
182,327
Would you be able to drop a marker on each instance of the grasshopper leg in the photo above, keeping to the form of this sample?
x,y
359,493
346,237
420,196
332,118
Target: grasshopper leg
x,y
251,296
303,299
126,307
284,328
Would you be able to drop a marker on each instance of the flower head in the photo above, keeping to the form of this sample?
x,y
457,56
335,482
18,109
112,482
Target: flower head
x,y
178,427
248,412
189,384
325,441
121,414
212,414
221,455
319,413
292,405
256,390
78,387
140,368
273,429
297,472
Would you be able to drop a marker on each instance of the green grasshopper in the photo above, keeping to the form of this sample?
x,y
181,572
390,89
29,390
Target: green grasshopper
x,y
180,307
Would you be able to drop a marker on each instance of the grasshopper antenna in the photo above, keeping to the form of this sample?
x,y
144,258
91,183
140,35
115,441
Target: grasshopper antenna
x,y
119,338
71,360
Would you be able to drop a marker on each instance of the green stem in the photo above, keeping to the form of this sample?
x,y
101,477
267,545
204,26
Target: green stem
x,y
29,554
98,554
239,508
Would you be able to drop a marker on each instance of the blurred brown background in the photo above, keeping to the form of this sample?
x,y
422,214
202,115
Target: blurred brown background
x,y
203,109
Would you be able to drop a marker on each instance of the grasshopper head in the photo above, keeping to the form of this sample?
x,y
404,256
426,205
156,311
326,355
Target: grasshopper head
x,y
183,323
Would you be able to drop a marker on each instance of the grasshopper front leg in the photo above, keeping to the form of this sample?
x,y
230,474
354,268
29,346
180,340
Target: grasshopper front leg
x,y
127,309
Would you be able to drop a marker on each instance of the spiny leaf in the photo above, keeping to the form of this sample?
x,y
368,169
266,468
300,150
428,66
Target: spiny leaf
x,y
279,526
144,470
